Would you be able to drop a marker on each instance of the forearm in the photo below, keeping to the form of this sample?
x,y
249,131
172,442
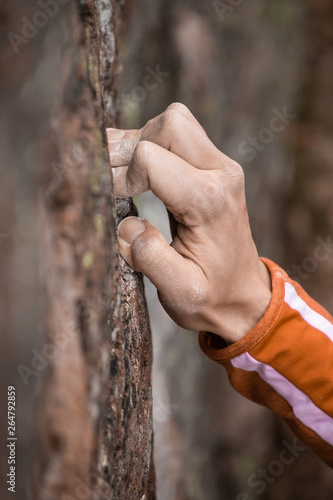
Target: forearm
x,y
285,362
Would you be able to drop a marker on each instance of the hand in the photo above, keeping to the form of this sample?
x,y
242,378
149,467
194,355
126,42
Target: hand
x,y
210,277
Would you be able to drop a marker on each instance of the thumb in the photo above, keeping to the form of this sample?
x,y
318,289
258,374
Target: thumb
x,y
146,250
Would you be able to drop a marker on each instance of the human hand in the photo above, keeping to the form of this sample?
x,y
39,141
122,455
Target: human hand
x,y
210,277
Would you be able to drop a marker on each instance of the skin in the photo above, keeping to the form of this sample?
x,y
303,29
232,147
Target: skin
x,y
210,277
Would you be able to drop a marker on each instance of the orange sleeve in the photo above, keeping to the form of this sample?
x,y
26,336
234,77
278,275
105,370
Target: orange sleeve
x,y
286,362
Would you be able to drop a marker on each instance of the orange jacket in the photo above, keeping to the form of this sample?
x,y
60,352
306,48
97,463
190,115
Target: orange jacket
x,y
286,362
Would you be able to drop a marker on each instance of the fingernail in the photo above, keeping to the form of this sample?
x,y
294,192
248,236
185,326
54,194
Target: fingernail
x,y
130,228
114,134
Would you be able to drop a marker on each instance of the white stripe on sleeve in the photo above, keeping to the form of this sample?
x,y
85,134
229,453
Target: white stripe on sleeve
x,y
313,318
304,409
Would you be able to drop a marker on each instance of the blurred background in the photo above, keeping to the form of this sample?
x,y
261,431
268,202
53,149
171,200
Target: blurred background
x,y
259,77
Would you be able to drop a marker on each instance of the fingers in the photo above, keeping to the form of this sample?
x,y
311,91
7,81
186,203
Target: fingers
x,y
169,177
178,131
175,130
145,249
120,181
121,144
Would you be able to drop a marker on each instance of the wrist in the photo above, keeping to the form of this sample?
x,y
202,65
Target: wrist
x,y
239,318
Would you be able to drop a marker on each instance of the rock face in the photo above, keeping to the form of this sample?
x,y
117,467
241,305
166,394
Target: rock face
x,y
75,337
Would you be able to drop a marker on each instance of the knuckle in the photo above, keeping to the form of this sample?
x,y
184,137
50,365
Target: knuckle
x,y
142,151
178,107
236,176
170,120
211,194
212,189
148,249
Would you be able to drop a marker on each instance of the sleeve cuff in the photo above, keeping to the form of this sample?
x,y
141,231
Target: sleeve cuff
x,y
215,347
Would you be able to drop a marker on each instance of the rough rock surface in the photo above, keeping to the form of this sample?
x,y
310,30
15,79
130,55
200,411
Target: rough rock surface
x,y
82,338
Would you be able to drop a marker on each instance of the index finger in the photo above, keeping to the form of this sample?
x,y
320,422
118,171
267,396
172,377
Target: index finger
x,y
176,130
170,178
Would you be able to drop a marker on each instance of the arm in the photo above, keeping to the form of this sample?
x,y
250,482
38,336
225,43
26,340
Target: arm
x,y
285,362
210,277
